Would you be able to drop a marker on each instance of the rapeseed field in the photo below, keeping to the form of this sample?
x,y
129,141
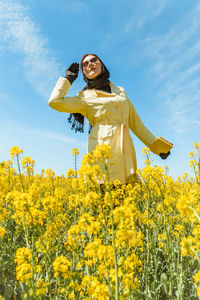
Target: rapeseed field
x,y
72,237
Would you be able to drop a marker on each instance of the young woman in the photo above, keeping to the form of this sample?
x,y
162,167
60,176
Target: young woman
x,y
110,113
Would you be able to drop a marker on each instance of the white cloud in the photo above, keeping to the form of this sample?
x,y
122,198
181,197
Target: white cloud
x,y
3,97
193,69
142,13
159,7
78,6
175,65
53,135
128,27
24,37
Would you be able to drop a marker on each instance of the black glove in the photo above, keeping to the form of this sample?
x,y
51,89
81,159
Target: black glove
x,y
164,155
72,72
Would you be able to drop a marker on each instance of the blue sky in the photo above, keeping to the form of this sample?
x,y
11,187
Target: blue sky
x,y
150,47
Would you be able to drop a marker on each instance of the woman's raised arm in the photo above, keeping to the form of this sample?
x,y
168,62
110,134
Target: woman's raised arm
x,y
59,102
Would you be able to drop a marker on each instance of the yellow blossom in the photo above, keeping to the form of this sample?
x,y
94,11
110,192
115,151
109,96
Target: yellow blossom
x,y
75,151
2,231
14,151
61,266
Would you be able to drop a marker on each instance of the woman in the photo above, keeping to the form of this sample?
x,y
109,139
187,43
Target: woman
x,y
110,113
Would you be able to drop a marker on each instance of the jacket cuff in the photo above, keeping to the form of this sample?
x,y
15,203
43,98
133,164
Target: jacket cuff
x,y
160,145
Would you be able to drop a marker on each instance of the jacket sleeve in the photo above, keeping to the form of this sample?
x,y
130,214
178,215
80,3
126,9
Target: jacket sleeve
x,y
59,102
138,128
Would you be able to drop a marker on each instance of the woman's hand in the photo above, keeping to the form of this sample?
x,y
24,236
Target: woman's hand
x,y
164,155
72,72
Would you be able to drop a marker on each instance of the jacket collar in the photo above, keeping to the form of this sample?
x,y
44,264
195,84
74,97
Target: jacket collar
x,y
97,93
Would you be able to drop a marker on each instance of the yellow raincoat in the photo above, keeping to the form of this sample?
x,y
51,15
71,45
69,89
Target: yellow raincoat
x,y
111,115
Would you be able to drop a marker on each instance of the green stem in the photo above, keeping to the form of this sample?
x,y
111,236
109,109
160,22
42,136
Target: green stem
x,y
9,178
53,187
20,173
113,240
148,251
108,280
169,259
75,165
116,263
180,278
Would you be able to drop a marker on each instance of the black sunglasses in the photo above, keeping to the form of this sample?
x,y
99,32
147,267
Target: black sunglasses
x,y
94,59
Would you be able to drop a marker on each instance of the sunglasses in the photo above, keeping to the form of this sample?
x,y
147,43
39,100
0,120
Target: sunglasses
x,y
94,59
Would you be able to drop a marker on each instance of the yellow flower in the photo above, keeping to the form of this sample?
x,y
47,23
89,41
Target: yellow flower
x,y
24,272
61,266
72,295
23,255
15,151
71,173
117,183
91,199
28,164
191,154
146,151
93,288
198,291
75,151
186,244
180,228
196,277
2,231
197,146
102,152
169,201
49,173
41,287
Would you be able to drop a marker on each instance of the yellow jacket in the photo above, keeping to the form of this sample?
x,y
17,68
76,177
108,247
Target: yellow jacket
x,y
111,115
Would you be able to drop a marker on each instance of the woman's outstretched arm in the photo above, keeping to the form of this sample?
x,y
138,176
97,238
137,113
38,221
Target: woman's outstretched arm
x,y
140,130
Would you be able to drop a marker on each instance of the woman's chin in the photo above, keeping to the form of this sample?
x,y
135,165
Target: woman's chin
x,y
92,76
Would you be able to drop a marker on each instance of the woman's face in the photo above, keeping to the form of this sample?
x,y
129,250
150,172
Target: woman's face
x,y
93,68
